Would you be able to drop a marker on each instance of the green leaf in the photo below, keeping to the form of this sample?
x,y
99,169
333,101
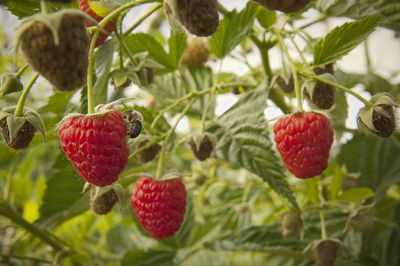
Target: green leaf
x,y
233,28
152,257
141,42
243,140
356,195
57,102
169,87
63,198
341,40
357,9
24,8
377,161
266,18
177,46
335,185
103,63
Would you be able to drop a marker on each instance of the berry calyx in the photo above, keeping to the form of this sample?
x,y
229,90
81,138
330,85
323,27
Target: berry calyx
x,y
304,140
160,205
202,150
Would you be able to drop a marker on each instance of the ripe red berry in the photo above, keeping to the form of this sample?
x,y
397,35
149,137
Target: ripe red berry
x,y
304,140
96,146
159,205
108,28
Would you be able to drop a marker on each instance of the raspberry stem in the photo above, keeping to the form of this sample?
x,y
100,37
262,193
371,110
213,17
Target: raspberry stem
x,y
21,71
43,7
21,102
355,94
293,69
145,16
323,228
171,131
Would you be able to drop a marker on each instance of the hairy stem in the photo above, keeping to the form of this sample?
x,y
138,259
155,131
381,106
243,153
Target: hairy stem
x,y
355,94
293,69
20,107
171,131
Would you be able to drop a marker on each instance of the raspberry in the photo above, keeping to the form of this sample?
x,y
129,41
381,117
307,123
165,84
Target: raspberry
x,y
290,224
325,252
304,140
196,53
202,151
104,203
199,17
148,154
96,146
384,120
287,6
362,221
159,205
61,1
107,29
64,64
323,95
23,137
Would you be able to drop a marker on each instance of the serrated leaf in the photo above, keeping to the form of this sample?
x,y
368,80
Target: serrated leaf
x,y
341,40
24,8
243,140
57,102
169,87
356,195
233,28
63,198
103,63
152,257
377,161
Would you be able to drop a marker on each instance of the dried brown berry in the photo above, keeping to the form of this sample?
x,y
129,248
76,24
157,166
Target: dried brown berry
x,y
325,252
202,151
196,53
362,221
383,120
150,73
22,139
199,17
63,64
287,6
148,154
323,95
104,203
291,224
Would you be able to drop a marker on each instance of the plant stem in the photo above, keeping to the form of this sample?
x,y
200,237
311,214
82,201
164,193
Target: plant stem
x,y
20,107
19,257
298,49
321,18
9,180
293,69
21,70
148,144
323,228
100,26
43,6
145,16
205,112
176,103
171,131
355,94
367,57
7,211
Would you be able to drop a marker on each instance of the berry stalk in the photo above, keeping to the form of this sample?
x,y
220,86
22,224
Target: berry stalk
x,y
21,102
21,71
171,131
355,94
43,6
323,227
144,17
292,67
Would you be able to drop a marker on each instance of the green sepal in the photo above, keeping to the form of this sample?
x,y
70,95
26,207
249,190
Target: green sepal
x,y
309,86
364,120
15,123
10,83
383,98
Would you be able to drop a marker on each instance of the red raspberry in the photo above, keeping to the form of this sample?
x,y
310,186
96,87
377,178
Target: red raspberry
x,y
159,205
304,141
96,146
108,28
